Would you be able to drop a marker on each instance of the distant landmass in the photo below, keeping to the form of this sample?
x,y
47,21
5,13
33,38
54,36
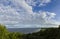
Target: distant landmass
x,y
24,30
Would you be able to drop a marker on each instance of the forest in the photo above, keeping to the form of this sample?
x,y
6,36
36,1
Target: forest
x,y
44,33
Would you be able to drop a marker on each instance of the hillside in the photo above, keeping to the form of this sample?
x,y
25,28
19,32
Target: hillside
x,y
49,33
45,33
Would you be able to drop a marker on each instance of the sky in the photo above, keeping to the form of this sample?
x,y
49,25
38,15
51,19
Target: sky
x,y
29,13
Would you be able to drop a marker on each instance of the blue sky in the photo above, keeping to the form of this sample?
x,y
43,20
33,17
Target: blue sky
x,y
30,13
53,6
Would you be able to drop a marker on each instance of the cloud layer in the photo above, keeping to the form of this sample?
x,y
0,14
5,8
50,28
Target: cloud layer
x,y
18,13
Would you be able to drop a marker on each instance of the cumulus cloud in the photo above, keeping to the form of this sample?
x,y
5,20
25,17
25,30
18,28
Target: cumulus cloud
x,y
17,13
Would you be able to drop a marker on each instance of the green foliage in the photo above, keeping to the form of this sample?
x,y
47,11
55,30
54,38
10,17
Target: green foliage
x,y
47,33
4,34
15,35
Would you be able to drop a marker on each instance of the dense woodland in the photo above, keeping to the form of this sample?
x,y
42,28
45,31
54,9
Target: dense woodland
x,y
46,33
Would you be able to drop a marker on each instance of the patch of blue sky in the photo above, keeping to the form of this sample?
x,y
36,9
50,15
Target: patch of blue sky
x,y
5,2
48,6
53,6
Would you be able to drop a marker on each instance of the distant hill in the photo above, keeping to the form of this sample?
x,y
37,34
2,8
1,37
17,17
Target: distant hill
x,y
45,33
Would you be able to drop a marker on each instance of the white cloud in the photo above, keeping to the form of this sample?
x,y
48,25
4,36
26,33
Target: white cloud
x,y
44,2
19,14
52,15
39,2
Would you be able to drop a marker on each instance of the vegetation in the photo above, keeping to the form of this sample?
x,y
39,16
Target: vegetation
x,y
47,33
